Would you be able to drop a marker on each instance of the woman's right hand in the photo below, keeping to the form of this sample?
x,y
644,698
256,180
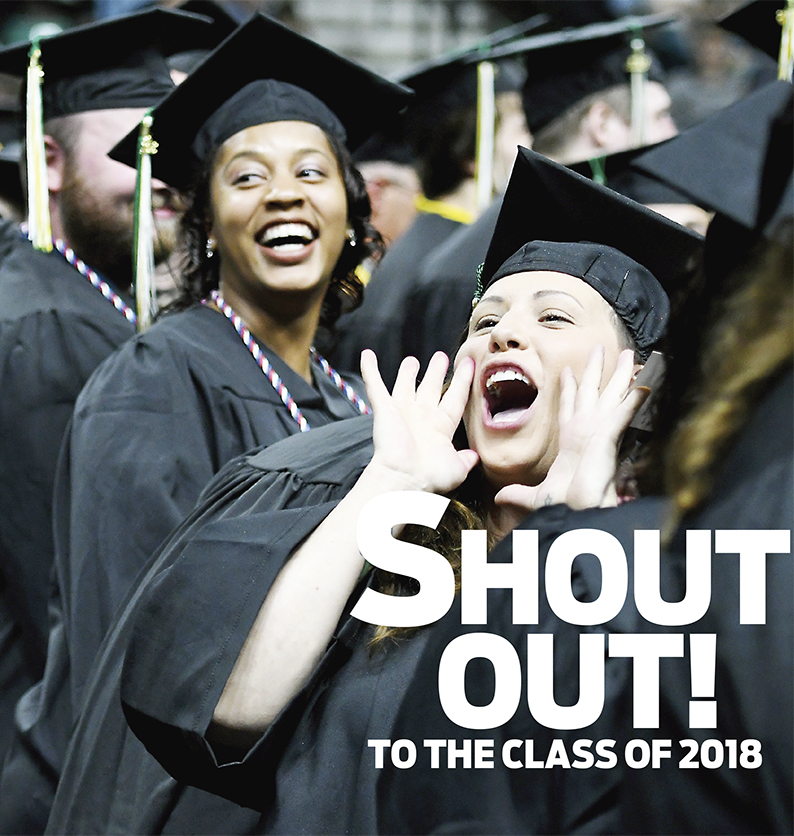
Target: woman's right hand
x,y
414,425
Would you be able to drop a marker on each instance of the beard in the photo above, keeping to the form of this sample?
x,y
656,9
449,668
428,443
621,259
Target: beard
x,y
99,228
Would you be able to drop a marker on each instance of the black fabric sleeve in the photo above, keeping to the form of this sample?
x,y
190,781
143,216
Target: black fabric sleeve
x,y
192,617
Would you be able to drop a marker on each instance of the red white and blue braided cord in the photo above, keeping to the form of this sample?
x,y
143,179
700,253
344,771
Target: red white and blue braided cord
x,y
96,280
272,375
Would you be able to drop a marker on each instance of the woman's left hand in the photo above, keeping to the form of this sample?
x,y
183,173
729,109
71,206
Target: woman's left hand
x,y
592,424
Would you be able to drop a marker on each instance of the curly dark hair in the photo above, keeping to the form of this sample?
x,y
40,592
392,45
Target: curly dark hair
x,y
199,274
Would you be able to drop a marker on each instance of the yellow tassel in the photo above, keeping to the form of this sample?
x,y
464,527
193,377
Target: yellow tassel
x,y
637,66
785,64
486,125
145,292
39,227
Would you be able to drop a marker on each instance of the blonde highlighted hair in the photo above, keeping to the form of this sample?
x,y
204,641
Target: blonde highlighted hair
x,y
750,341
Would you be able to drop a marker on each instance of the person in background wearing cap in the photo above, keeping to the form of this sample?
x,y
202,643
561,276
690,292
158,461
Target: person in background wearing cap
x,y
63,311
725,459
276,224
386,163
312,771
616,172
578,99
442,128
439,301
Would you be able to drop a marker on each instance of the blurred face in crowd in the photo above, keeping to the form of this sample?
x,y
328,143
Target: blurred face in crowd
x,y
686,214
95,195
392,189
511,131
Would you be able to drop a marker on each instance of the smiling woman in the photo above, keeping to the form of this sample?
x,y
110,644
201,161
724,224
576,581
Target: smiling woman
x,y
277,221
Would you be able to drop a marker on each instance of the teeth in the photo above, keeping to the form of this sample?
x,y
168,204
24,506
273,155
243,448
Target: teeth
x,y
505,374
287,230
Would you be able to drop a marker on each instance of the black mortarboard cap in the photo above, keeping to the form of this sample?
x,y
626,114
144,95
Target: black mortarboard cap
x,y
738,161
554,219
617,173
115,63
391,142
449,82
757,23
263,72
565,66
223,22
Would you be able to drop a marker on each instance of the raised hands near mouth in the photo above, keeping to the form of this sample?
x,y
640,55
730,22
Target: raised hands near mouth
x,y
592,424
414,425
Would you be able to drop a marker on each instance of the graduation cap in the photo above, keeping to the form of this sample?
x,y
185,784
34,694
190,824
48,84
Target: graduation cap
x,y
736,163
224,22
449,82
767,25
616,171
390,143
116,63
565,66
461,79
554,219
263,72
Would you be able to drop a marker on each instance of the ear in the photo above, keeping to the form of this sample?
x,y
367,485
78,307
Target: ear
x,y
374,193
56,160
638,367
604,127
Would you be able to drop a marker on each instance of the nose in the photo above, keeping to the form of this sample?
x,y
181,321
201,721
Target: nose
x,y
507,334
284,191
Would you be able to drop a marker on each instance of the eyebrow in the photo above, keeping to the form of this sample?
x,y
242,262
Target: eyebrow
x,y
496,299
541,293
254,153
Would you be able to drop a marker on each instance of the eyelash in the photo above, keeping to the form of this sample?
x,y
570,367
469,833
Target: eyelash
x,y
554,317
484,322
247,176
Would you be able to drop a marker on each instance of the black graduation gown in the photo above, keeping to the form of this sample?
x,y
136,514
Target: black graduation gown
x,y
55,329
753,685
214,572
151,428
440,299
379,322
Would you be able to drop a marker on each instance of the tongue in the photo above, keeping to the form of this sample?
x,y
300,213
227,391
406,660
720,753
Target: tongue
x,y
511,414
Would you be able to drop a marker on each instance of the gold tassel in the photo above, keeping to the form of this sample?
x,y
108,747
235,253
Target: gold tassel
x,y
486,125
39,227
637,66
145,292
785,64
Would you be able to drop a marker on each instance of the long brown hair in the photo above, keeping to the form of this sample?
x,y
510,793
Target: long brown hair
x,y
750,341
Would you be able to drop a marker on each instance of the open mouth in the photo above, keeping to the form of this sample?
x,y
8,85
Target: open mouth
x,y
509,393
287,237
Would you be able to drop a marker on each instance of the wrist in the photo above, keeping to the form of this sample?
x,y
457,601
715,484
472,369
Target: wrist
x,y
386,478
